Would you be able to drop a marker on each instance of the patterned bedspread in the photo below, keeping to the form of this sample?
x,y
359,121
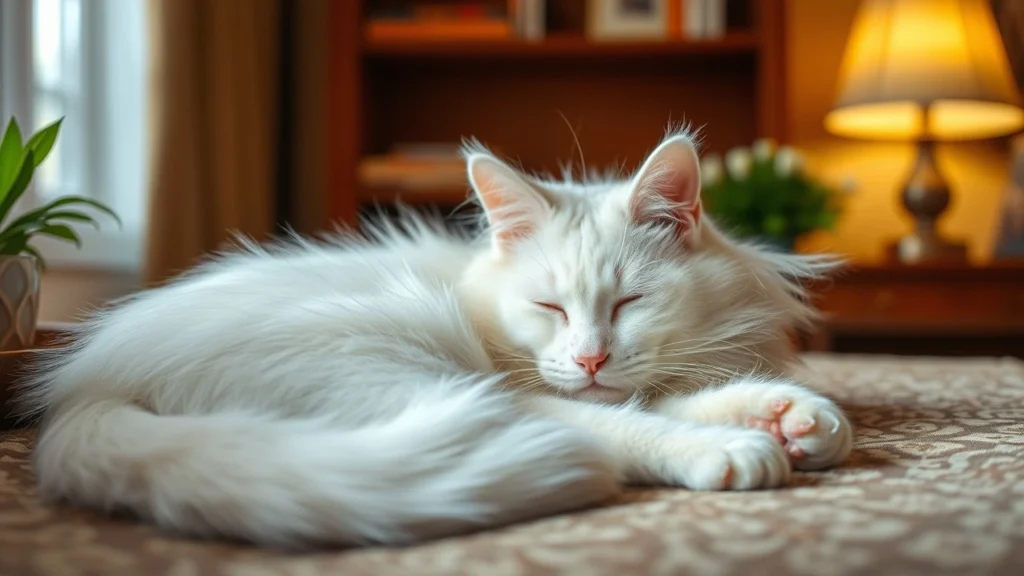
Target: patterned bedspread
x,y
935,486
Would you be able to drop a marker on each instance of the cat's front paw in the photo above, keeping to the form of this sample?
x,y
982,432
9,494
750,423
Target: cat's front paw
x,y
814,431
727,458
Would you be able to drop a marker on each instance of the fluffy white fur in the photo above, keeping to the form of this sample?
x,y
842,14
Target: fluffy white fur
x,y
419,383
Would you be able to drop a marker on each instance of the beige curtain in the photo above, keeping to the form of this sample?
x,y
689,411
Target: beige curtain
x,y
310,66
214,90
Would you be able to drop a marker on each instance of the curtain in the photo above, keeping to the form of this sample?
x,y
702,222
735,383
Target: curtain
x,y
303,110
214,97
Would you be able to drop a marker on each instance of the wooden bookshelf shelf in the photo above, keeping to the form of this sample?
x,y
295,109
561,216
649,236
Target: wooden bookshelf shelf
x,y
442,196
566,45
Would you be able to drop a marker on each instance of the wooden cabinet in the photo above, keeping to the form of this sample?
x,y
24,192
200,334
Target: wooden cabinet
x,y
944,310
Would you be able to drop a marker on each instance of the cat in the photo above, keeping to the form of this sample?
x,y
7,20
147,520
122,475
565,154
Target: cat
x,y
417,382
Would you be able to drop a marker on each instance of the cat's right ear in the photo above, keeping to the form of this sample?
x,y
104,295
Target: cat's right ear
x,y
513,207
667,187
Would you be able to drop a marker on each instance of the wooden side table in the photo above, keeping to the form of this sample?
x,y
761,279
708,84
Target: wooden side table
x,y
930,309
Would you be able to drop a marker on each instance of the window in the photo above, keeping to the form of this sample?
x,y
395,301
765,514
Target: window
x,y
84,60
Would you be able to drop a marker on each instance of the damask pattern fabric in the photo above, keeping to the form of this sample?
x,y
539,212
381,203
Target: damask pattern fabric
x,y
935,486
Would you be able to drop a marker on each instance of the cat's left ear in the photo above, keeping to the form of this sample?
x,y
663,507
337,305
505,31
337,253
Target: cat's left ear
x,y
513,207
666,189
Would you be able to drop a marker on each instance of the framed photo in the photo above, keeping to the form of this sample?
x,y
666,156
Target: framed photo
x,y
627,19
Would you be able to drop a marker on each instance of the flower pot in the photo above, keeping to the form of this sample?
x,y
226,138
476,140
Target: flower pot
x,y
19,302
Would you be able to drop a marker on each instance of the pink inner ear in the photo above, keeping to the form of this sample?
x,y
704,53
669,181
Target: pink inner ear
x,y
675,198
512,221
669,188
510,205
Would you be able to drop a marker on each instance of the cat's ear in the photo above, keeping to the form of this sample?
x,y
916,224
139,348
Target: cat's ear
x,y
513,207
666,189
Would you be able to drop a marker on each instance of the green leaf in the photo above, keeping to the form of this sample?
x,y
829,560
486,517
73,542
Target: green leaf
x,y
23,229
17,165
68,200
10,156
27,226
14,246
19,186
39,257
39,215
62,232
42,142
71,215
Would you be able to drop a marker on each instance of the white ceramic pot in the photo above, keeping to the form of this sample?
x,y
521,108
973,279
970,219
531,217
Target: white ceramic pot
x,y
19,302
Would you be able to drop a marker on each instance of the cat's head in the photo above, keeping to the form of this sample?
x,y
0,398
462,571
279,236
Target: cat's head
x,y
602,289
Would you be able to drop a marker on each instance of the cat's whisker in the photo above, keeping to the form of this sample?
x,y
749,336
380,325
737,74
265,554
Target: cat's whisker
x,y
531,385
710,349
579,149
696,370
686,366
520,371
710,346
661,387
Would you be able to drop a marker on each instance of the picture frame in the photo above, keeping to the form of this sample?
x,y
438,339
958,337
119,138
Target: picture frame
x,y
627,19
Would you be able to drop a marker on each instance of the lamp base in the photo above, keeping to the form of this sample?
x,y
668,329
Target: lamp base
x,y
916,248
926,196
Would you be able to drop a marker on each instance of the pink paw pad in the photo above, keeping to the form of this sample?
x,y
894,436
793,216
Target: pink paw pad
x,y
727,477
779,407
771,426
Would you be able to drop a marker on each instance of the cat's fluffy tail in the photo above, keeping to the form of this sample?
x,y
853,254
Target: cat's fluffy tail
x,y
441,467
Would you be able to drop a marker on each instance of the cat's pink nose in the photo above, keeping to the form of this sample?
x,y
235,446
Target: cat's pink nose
x,y
592,362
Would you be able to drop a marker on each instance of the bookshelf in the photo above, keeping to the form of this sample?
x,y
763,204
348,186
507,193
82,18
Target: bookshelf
x,y
512,94
566,45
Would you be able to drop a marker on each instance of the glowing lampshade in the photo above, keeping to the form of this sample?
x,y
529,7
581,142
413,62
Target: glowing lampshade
x,y
925,69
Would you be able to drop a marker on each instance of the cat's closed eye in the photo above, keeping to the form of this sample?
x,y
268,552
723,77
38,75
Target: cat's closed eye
x,y
622,302
554,308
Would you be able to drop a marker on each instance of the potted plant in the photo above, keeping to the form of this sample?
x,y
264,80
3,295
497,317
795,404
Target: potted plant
x,y
764,194
20,262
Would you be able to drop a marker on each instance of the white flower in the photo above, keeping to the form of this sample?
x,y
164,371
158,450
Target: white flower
x,y
738,162
849,185
788,161
710,170
763,148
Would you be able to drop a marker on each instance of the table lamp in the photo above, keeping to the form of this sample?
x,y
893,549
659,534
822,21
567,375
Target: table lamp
x,y
926,71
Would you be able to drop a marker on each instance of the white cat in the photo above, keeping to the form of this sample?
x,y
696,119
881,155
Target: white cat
x,y
422,384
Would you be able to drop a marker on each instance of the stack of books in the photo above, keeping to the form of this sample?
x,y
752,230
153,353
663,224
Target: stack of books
x,y
699,19
426,167
446,20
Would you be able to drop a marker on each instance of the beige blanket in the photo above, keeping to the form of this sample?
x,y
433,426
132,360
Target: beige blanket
x,y
935,486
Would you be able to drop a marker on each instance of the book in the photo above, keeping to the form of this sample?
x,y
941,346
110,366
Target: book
x,y
423,20
714,18
693,18
415,166
530,18
704,19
